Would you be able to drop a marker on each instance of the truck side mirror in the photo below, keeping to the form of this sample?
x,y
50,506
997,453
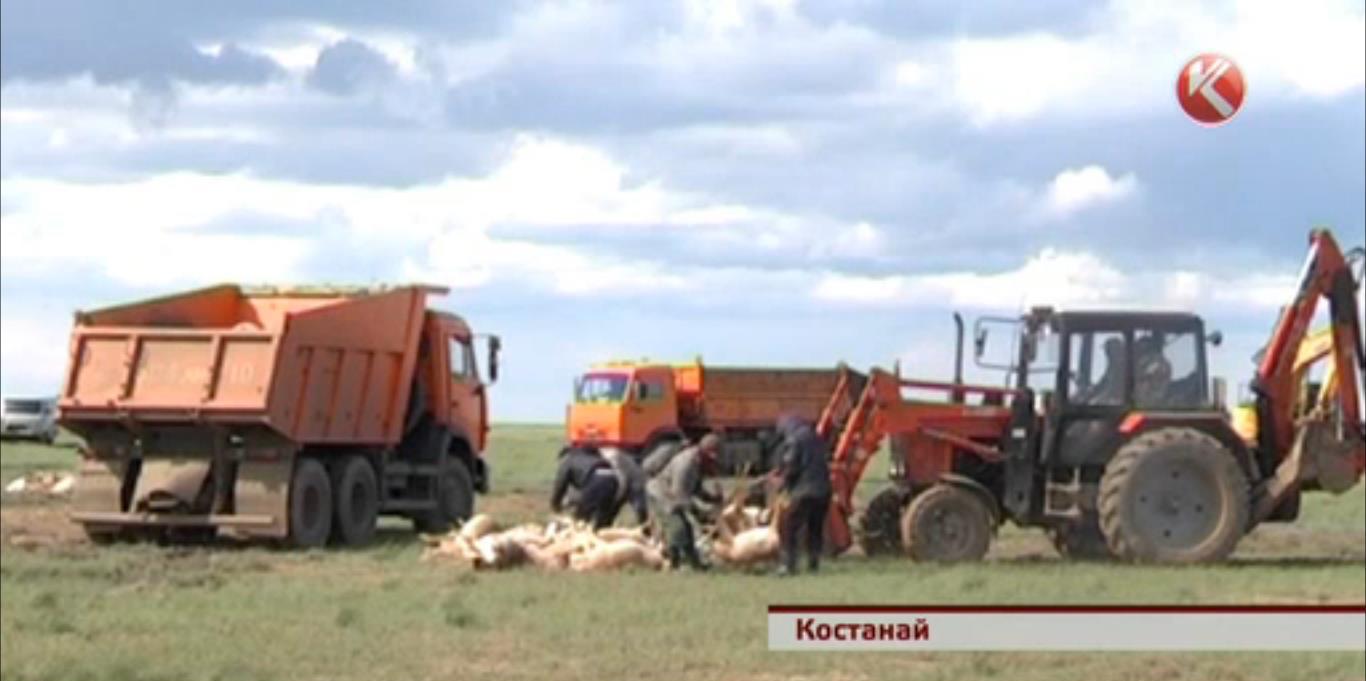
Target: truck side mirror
x,y
979,342
1215,338
495,345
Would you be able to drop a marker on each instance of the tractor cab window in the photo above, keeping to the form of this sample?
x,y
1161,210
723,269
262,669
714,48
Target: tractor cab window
x,y
601,388
1167,371
1097,368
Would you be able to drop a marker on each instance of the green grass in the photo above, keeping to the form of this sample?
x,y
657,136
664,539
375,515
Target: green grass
x,y
73,611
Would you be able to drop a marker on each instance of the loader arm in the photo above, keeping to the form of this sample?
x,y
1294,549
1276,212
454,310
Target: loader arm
x,y
1327,275
856,423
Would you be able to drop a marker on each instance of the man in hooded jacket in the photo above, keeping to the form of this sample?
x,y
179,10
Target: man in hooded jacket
x,y
804,470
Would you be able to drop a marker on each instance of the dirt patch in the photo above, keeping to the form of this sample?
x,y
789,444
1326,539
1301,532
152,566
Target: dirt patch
x,y
515,507
1292,544
38,526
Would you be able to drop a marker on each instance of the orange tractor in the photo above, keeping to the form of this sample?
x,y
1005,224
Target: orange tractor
x,y
1112,437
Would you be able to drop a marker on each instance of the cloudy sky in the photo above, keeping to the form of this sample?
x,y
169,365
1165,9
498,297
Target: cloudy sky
x,y
774,182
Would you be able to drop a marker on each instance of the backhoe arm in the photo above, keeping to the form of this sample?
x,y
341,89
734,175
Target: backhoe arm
x,y
1281,440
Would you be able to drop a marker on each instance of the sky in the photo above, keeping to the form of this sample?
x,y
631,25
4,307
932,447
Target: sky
x,y
774,182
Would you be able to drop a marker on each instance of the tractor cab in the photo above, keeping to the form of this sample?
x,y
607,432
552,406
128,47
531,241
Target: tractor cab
x,y
1087,381
1106,362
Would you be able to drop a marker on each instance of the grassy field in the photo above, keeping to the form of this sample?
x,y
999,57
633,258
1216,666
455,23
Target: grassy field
x,y
71,611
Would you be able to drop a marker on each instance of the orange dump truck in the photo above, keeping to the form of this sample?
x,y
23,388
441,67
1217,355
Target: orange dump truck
x,y
640,406
289,414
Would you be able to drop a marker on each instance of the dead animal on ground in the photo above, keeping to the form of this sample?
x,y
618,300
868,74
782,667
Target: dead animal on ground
x,y
560,544
745,535
55,483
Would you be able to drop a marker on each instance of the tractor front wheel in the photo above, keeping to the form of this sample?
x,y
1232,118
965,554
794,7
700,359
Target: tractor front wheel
x,y
1174,495
946,524
880,531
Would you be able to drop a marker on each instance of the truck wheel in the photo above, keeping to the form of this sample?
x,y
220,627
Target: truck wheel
x,y
1081,540
310,504
880,531
1173,495
355,489
947,524
454,498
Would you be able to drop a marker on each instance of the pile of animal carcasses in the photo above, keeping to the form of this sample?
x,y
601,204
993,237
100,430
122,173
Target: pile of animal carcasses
x,y
560,544
53,483
745,536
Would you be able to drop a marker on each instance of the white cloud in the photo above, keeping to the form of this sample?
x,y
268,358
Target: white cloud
x,y
180,228
909,73
1076,189
1020,76
1075,279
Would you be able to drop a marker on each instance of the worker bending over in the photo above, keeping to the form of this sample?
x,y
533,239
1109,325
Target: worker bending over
x,y
585,469
672,492
631,481
804,470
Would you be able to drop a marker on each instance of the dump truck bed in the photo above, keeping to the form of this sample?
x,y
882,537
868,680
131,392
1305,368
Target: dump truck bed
x,y
320,366
746,397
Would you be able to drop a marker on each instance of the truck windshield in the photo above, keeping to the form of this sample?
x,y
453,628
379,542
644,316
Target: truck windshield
x,y
601,388
23,406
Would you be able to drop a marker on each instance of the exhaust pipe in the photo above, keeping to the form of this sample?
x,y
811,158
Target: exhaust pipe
x,y
958,396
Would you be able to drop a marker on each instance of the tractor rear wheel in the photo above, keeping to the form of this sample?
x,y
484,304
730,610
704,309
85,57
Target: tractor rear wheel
x,y
1174,495
310,504
355,489
880,531
946,524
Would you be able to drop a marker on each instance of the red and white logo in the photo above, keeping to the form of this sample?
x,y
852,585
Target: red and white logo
x,y
1210,89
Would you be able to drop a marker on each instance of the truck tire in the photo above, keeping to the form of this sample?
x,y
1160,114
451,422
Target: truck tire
x,y
1080,540
946,524
355,491
310,504
880,531
1173,495
454,498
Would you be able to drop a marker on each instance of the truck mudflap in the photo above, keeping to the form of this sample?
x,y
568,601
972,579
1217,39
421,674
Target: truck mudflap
x,y
262,490
169,485
99,487
260,497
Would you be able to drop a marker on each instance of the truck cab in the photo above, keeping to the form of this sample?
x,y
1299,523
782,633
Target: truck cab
x,y
622,404
457,396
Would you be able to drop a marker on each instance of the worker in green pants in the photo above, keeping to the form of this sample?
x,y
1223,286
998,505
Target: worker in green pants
x,y
672,492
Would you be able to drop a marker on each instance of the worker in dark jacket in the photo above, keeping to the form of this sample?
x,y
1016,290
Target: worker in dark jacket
x,y
804,469
585,469
672,492
631,481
